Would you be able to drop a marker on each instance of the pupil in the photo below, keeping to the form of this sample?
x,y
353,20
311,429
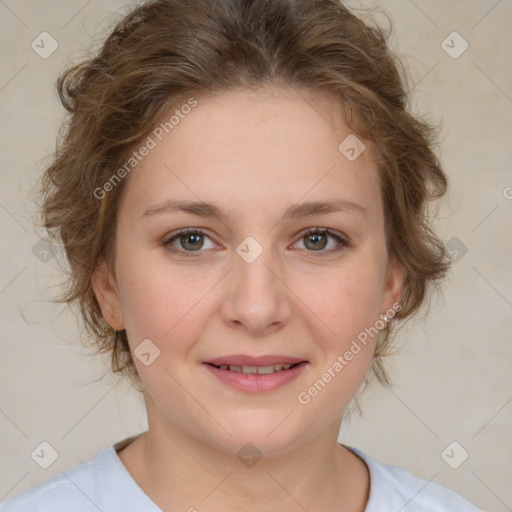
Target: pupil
x,y
316,237
193,237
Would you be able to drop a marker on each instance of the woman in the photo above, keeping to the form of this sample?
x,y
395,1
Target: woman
x,y
242,196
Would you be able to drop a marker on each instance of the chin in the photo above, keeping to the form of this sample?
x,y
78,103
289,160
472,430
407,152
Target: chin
x,y
267,433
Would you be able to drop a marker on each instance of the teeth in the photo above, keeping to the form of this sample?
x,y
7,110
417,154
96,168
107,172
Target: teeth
x,y
256,370
265,370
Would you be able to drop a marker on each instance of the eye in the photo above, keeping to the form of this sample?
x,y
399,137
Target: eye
x,y
316,239
191,240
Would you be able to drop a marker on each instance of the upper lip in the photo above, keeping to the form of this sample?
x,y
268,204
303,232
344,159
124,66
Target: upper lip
x,y
244,360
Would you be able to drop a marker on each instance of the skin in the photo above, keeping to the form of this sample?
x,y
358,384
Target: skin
x,y
253,153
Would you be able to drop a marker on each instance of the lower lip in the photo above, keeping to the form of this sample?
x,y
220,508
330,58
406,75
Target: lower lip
x,y
253,383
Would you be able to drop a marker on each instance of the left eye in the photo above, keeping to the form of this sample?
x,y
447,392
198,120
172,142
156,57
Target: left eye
x,y
317,238
192,240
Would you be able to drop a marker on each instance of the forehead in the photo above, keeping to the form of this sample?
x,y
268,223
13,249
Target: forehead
x,y
253,148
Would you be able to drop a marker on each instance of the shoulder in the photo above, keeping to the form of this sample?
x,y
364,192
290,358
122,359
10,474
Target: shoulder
x,y
100,484
393,488
70,490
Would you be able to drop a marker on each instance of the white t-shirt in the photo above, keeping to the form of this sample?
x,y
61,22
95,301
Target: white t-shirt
x,y
104,484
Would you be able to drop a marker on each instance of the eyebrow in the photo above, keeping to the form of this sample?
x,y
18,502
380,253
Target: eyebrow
x,y
206,210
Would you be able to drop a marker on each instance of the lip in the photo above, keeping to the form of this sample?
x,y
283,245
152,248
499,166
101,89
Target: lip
x,y
245,360
256,383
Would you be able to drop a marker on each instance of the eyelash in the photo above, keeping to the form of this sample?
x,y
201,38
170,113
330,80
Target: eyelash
x,y
343,244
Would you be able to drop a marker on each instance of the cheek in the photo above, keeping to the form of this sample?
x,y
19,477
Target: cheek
x,y
169,313
160,303
347,307
342,304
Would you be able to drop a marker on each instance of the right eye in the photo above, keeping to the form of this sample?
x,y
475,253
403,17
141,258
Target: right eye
x,y
190,239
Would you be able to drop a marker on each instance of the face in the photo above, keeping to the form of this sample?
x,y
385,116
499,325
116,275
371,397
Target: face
x,y
251,286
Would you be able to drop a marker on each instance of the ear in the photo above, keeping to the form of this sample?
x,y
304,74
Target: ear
x,y
107,295
395,278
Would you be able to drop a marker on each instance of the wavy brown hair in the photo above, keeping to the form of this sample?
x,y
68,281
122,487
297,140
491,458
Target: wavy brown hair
x,y
164,52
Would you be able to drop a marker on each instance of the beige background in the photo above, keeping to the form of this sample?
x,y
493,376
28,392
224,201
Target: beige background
x,y
453,379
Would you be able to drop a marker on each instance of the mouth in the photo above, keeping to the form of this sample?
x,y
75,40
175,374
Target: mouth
x,y
256,374
256,370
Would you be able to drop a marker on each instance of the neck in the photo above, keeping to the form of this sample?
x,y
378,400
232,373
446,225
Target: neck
x,y
180,472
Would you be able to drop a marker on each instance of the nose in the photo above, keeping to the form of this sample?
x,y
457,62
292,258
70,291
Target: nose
x,y
257,298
